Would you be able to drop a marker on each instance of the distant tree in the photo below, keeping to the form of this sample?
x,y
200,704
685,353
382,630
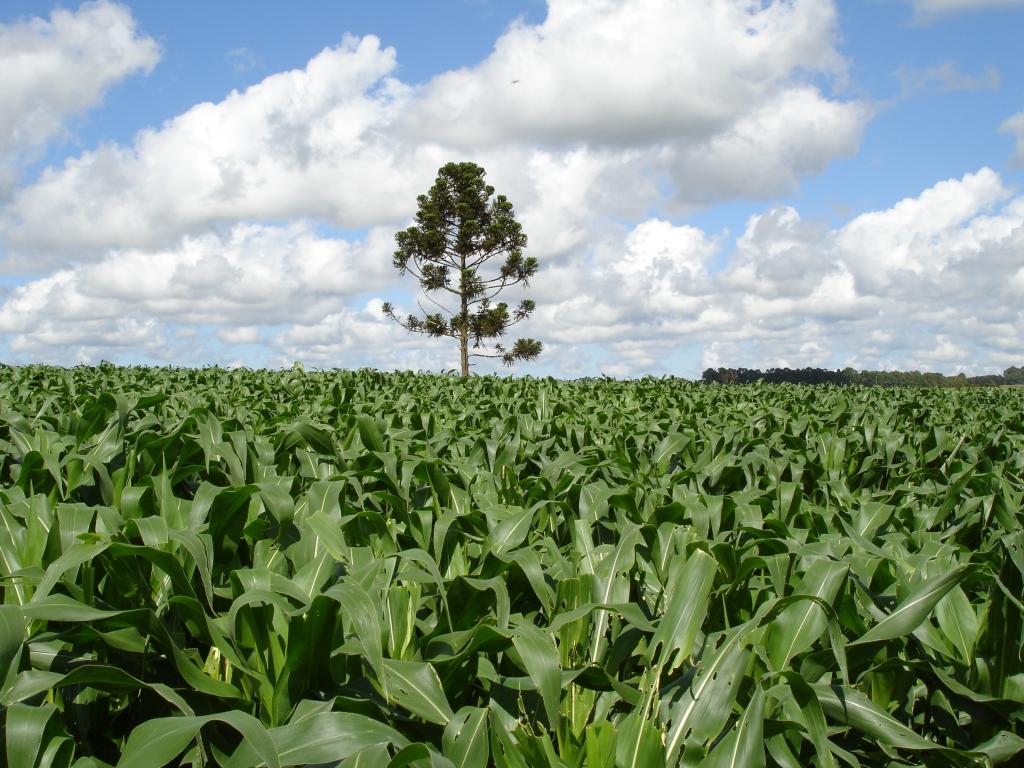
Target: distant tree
x,y
1014,374
459,228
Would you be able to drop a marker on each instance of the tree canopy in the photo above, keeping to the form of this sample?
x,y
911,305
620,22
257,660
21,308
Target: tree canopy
x,y
461,225
849,376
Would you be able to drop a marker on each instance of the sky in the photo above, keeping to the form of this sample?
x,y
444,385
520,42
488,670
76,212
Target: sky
x,y
705,183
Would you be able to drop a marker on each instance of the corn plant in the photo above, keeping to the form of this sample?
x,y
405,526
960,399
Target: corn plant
x,y
254,568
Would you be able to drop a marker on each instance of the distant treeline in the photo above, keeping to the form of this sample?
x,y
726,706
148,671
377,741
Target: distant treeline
x,y
849,376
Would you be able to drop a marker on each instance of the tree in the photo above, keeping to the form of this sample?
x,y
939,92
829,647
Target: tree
x,y
459,228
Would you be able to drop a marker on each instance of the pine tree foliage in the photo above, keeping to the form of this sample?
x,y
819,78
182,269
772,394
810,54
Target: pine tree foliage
x,y
461,226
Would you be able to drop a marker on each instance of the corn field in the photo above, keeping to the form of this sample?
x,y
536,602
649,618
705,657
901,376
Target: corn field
x,y
254,568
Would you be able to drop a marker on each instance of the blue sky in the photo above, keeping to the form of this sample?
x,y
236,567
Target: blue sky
x,y
712,183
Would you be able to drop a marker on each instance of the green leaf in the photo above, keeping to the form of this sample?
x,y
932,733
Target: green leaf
x,y
415,686
915,608
611,587
361,616
689,588
64,609
958,622
1002,747
847,706
157,742
600,742
703,709
72,558
806,708
800,624
540,657
325,737
510,532
25,729
101,677
465,741
370,433
743,747
638,744
12,636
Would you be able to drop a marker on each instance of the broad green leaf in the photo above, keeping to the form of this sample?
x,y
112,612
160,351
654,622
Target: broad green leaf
x,y
325,737
600,744
24,733
370,433
540,657
800,624
704,707
915,608
638,744
958,622
743,747
803,704
465,740
610,586
1002,747
12,636
689,588
415,686
510,532
361,616
71,558
847,706
157,742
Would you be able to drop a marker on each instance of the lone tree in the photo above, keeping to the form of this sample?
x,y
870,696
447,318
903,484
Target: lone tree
x,y
459,227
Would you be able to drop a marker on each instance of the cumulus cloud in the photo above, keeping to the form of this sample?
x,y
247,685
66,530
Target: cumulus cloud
x,y
714,100
931,282
768,150
361,337
300,143
717,91
60,67
253,275
593,70
918,238
624,114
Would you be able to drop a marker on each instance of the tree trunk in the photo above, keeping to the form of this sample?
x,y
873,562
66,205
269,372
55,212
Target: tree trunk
x,y
464,334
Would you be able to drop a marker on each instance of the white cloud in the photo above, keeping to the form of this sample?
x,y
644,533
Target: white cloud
x,y
164,247
931,282
301,143
618,96
242,334
928,10
946,77
57,68
255,275
358,337
629,72
768,150
921,236
717,92
1015,127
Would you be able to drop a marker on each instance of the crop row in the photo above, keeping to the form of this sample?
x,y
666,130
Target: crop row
x,y
247,568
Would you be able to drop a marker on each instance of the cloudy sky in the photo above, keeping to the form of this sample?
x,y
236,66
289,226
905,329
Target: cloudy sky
x,y
705,182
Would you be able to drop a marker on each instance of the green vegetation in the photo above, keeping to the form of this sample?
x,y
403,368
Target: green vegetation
x,y
252,568
1012,376
458,229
